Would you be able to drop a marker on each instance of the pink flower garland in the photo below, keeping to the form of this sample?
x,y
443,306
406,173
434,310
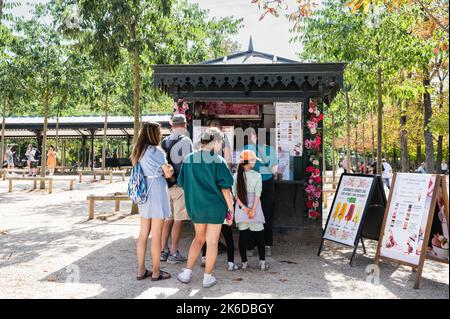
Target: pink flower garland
x,y
313,143
182,107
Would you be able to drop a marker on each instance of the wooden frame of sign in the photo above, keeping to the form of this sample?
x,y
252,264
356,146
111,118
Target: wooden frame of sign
x,y
439,185
375,186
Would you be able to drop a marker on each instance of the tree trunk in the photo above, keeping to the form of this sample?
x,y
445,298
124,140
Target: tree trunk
x,y
348,132
403,137
137,83
63,154
57,131
440,137
2,141
429,147
44,140
1,11
137,93
333,146
356,142
372,131
419,154
379,118
364,142
105,128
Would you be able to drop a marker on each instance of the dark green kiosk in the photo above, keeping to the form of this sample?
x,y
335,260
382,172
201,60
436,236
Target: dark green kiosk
x,y
261,90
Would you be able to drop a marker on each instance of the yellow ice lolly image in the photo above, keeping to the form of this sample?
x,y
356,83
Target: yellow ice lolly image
x,y
342,212
336,211
358,214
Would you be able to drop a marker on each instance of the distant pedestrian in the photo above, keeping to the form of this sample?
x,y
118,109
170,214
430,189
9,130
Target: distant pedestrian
x,y
386,173
362,168
345,164
421,169
9,157
51,160
444,167
374,166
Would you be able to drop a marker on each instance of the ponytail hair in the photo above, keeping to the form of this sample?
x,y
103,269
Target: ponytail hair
x,y
241,184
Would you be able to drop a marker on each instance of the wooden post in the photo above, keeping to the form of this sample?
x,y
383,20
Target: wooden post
x,y
63,159
123,176
50,185
91,208
134,209
81,176
35,183
110,177
9,185
71,184
117,206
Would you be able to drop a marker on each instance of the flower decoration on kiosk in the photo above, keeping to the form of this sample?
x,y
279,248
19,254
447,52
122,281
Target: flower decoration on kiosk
x,y
313,145
182,107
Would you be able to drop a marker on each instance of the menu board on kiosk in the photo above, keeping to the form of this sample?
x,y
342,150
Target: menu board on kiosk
x,y
289,132
415,224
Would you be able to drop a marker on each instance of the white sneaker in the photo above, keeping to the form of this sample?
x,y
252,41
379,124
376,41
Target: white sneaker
x,y
262,265
232,266
244,265
203,262
185,276
209,281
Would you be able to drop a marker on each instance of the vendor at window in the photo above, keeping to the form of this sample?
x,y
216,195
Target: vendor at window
x,y
267,166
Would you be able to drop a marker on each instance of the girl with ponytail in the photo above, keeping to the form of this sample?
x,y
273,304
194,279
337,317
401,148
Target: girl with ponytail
x,y
249,216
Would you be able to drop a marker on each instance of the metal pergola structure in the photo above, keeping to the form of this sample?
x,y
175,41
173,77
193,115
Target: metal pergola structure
x,y
83,128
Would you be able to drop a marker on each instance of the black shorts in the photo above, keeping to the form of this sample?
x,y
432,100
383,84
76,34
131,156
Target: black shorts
x,y
34,164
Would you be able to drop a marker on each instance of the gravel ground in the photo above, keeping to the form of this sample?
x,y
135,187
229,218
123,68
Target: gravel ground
x,y
49,250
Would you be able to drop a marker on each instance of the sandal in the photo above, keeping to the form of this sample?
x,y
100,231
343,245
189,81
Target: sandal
x,y
145,275
163,275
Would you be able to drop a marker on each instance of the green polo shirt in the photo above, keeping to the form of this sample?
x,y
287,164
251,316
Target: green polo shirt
x,y
202,176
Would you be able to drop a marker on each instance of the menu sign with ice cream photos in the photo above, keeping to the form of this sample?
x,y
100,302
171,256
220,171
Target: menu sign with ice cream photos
x,y
415,225
349,204
407,217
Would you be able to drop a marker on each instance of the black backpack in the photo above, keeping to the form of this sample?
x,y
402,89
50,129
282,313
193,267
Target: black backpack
x,y
37,155
168,148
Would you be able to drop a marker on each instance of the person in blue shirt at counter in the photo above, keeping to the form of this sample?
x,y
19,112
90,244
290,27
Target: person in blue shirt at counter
x,y
267,166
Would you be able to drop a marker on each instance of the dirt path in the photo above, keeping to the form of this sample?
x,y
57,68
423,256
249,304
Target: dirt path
x,y
49,250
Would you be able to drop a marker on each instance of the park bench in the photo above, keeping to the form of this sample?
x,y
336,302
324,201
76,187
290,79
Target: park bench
x,y
96,173
35,179
63,169
116,197
4,172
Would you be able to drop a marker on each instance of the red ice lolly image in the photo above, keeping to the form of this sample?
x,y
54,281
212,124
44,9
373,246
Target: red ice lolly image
x,y
349,215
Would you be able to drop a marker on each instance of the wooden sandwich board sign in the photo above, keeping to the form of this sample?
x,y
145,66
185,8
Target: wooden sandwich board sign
x,y
415,222
357,196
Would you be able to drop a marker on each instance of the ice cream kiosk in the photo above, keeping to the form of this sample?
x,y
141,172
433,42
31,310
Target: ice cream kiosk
x,y
260,90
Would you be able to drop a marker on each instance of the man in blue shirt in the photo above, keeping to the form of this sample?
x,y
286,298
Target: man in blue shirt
x,y
267,166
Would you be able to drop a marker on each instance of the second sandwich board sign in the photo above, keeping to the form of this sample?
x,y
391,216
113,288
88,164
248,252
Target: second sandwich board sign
x,y
415,225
